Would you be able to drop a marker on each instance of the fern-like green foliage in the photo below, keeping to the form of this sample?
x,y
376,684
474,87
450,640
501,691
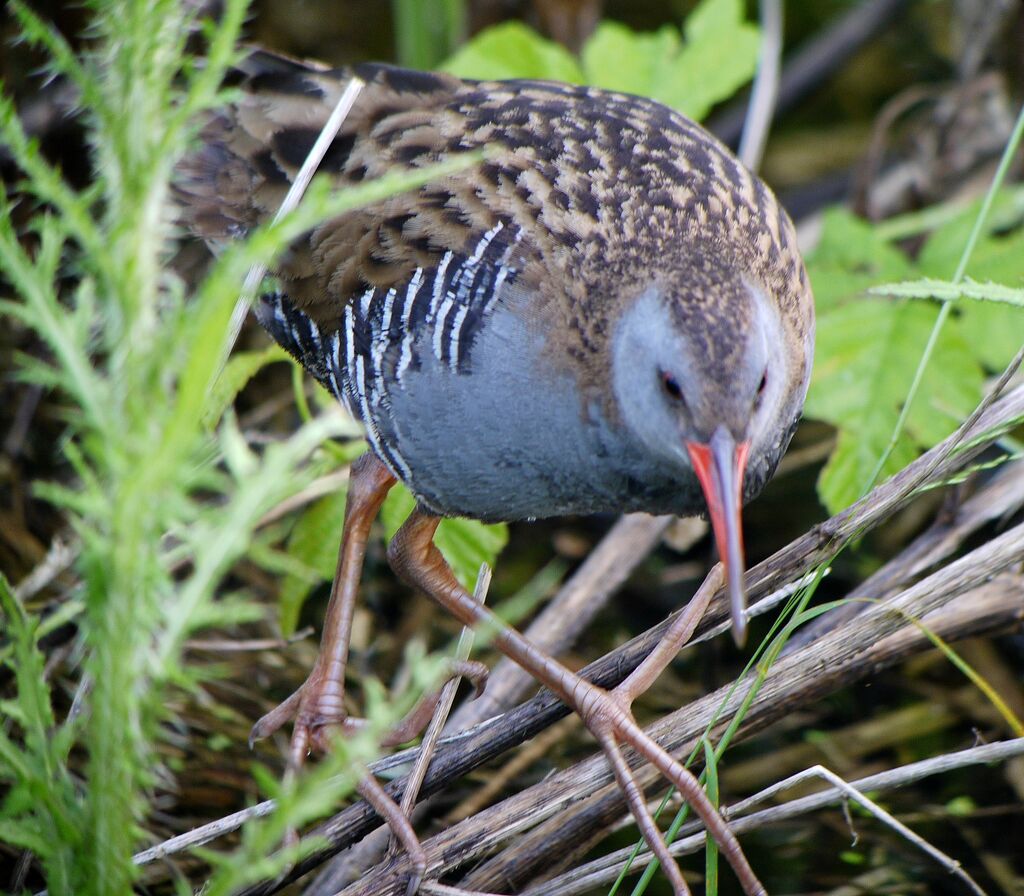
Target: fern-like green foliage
x,y
869,345
163,492
713,57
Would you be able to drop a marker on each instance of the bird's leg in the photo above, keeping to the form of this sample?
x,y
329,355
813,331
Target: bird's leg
x,y
319,703
607,714
678,633
317,708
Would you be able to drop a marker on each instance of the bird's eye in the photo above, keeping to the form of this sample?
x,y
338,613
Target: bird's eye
x,y
760,388
671,386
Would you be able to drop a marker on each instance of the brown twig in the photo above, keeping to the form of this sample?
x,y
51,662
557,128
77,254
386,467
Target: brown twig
x,y
467,750
873,642
599,872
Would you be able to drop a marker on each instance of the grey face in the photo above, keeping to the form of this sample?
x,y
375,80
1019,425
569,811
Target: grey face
x,y
705,393
673,386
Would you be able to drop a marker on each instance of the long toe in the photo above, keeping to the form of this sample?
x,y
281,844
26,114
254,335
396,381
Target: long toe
x,y
274,719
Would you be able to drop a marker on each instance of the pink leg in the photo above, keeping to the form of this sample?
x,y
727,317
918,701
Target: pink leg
x,y
317,708
319,703
415,558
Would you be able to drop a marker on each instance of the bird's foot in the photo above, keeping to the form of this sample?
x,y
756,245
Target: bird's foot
x,y
317,713
608,716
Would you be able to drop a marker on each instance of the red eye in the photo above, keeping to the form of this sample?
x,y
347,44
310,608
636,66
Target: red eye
x,y
671,386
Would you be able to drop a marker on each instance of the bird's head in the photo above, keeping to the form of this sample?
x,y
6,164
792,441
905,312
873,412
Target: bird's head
x,y
702,377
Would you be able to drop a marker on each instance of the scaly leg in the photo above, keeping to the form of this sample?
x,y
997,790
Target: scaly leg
x,y
607,714
318,707
320,703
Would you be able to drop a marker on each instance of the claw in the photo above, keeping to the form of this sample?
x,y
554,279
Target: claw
x,y
477,673
276,718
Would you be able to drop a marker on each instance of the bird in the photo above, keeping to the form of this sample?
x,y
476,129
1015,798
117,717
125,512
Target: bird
x,y
605,313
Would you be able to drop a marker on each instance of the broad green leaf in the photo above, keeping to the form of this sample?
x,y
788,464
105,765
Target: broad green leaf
x,y
719,56
941,253
513,50
465,544
994,334
618,58
867,352
849,259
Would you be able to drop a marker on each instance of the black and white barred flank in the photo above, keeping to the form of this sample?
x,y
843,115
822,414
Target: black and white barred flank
x,y
381,334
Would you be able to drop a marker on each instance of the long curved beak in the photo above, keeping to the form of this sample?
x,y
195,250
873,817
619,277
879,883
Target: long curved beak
x,y
719,464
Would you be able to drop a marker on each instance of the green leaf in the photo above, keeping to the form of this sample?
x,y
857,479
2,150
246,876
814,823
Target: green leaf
x,y
512,50
617,58
867,353
241,367
719,56
945,291
465,544
994,333
961,806
711,848
314,544
849,259
427,30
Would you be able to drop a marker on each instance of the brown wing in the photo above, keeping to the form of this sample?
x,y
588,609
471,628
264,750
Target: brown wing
x,y
602,188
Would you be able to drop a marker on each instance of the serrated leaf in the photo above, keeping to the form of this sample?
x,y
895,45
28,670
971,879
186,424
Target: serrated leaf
x,y
946,291
867,352
464,543
616,57
941,253
513,50
849,259
719,56
994,334
22,833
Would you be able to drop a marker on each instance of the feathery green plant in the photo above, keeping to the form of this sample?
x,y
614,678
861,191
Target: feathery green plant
x,y
164,493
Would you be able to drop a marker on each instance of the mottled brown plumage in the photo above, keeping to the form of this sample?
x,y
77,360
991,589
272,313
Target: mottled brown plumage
x,y
605,188
608,313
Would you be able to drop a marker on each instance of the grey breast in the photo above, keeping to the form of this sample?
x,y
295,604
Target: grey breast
x,y
449,374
